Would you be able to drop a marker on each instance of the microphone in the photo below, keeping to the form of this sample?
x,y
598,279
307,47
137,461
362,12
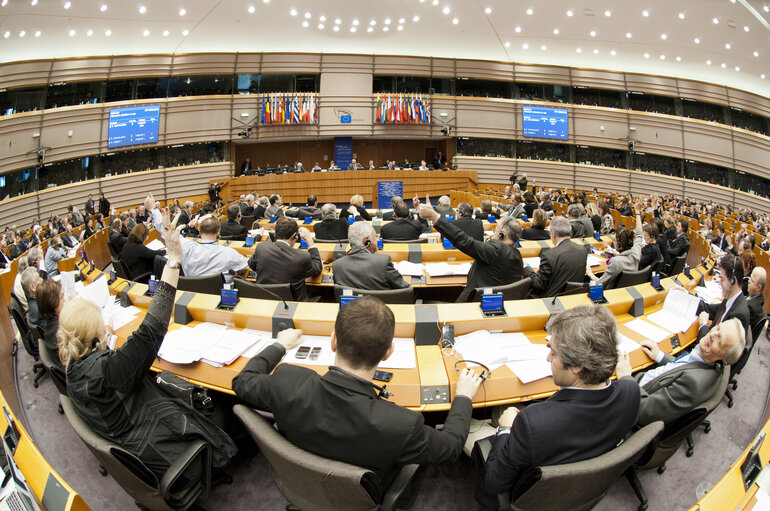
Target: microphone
x,y
285,305
560,293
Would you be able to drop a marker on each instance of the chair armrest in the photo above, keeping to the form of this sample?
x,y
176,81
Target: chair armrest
x,y
196,449
397,488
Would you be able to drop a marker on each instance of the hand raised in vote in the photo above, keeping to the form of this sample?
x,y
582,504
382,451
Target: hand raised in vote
x,y
353,211
468,383
289,338
171,234
306,236
650,348
624,365
416,201
508,416
703,318
427,212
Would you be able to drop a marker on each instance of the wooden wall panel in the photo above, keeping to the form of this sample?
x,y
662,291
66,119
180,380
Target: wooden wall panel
x,y
17,141
605,179
85,123
341,63
24,74
283,63
611,80
443,67
197,120
249,63
57,199
656,133
19,211
708,192
84,69
751,152
128,190
533,73
645,183
203,63
396,65
752,202
129,66
551,174
485,117
194,180
660,85
707,142
749,102
702,91
484,70
596,126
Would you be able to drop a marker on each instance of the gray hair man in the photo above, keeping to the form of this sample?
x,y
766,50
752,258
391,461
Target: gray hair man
x,y
363,267
565,262
444,207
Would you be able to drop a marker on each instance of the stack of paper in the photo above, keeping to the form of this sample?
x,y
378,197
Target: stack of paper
x,y
430,235
533,368
492,350
156,245
593,260
409,269
679,311
403,356
711,292
231,345
325,355
210,343
97,291
533,262
443,269
648,330
627,345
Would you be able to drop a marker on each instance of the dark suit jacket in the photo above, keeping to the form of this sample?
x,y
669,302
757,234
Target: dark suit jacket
x,y
721,242
33,314
259,212
230,228
304,212
4,260
339,416
68,241
532,233
104,207
740,310
663,247
650,254
90,207
344,213
363,270
562,429
331,229
278,263
473,227
756,305
564,263
138,258
117,240
445,211
401,230
494,263
578,229
679,246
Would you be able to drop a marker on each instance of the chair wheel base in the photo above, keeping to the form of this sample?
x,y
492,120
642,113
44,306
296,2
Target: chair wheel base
x,y
643,507
707,429
661,469
689,453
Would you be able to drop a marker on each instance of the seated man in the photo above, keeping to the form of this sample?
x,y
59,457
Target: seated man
x,y
403,228
247,205
55,253
565,262
208,257
473,227
340,415
444,207
677,386
274,210
310,209
756,299
69,239
495,263
280,262
262,205
353,165
578,229
331,227
232,227
485,210
680,245
588,416
116,239
30,279
627,252
362,267
588,225
733,304
515,209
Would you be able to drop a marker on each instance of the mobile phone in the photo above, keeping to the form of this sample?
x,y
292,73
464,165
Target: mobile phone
x,y
302,352
656,282
382,376
302,244
314,353
344,300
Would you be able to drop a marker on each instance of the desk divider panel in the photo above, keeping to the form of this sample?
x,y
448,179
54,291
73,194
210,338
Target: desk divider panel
x,y
637,309
426,325
125,301
181,313
415,253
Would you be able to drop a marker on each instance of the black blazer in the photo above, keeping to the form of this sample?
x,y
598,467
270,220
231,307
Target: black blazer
x,y
494,263
339,416
679,246
533,233
401,230
529,208
757,312
233,229
104,207
344,213
564,263
331,229
740,310
663,248
562,429
650,254
138,258
721,242
117,240
473,227
578,229
278,263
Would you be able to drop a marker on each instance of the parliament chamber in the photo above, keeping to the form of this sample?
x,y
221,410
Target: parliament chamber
x,y
630,130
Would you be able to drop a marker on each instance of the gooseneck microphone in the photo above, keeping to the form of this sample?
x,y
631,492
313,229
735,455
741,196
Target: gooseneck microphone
x,y
271,293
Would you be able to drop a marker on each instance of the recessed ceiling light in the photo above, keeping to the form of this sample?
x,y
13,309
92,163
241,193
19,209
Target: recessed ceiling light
x,y
681,15
723,65
337,21
108,32
737,68
165,33
517,30
579,50
756,54
142,9
664,36
293,12
727,46
530,11
401,27
613,52
628,35
305,24
401,21
596,51
38,33
33,3
266,1
646,55
252,9
455,21
662,57
353,29
387,21
570,13
544,47
555,31
67,5
322,18
103,7
767,8
708,62
355,22
507,44
416,19
434,2
385,29
3,3
593,33
22,33
7,34
645,13
370,29
697,40
185,32
715,21
320,26
762,76
145,32
336,28
373,22
746,28
608,13
307,15
90,32
488,10
678,59
71,32
445,10
525,46
182,11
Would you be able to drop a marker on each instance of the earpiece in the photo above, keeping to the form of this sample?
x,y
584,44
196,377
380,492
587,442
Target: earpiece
x,y
501,236
368,243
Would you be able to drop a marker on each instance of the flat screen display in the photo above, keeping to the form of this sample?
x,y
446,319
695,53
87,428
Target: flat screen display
x,y
545,122
492,302
133,125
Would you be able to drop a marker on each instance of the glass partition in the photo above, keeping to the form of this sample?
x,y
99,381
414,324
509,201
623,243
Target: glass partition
x,y
26,99
704,111
596,97
600,156
491,147
651,103
484,88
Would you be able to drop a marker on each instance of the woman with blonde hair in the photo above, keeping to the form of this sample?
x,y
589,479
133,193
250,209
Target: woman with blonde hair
x,y
593,213
112,390
358,202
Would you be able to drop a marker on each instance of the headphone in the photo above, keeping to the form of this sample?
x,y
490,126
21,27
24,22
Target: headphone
x,y
382,392
368,244
501,236
484,374
732,268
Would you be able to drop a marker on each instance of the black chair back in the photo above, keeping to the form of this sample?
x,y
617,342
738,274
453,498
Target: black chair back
x,y
513,291
247,221
421,240
248,289
210,284
54,370
677,265
120,270
405,295
18,316
633,278
756,329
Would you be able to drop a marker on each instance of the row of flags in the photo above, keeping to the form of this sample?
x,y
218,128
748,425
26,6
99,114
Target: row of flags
x,y
289,108
402,109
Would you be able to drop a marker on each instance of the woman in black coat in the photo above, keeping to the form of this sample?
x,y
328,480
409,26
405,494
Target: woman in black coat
x,y
538,230
138,258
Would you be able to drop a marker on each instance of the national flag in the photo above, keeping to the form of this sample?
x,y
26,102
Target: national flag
x,y
379,109
397,109
263,109
295,116
416,109
427,109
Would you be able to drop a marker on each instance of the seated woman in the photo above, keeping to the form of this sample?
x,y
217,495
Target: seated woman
x,y
88,230
55,253
530,203
358,202
608,222
99,224
50,301
113,391
593,213
138,258
651,250
538,230
627,255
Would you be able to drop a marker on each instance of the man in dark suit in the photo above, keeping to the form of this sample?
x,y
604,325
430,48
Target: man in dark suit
x,y
721,241
19,246
331,227
578,228
4,259
733,304
116,238
495,263
310,209
564,428
522,182
280,262
444,207
232,227
68,239
124,219
756,299
362,267
681,244
104,206
90,206
246,166
565,262
676,386
340,415
402,228
473,227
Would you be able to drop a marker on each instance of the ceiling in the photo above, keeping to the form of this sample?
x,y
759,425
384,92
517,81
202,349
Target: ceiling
x,y
718,41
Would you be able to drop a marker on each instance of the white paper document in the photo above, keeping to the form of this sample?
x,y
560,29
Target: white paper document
x,y
230,345
445,269
532,369
627,345
678,313
207,342
648,330
592,260
266,338
494,350
711,292
409,269
97,291
403,357
533,262
156,245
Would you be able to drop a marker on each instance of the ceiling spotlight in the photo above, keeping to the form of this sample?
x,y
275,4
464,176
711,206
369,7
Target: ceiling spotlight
x,y
723,65
38,33
293,12
67,5
307,15
570,13
628,35
613,52
445,10
142,9
401,27
488,10
762,76
664,36
185,32
544,47
320,26
727,46
355,22
145,32
678,59
555,31
455,21
662,57
507,44
266,1
352,29
525,46
517,30
416,19
697,40
3,3
385,29
305,24
165,33
336,28
766,8
7,34
71,32
593,33
737,68
33,3
373,22
756,54
708,62
337,21
646,55
22,33
322,18
108,32
434,2
103,7
715,21
401,21
251,9
746,28
645,13
90,32
579,50
370,29
530,12
681,15
387,21
182,11
608,13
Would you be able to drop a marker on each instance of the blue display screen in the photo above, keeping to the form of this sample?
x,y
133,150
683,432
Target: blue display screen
x,y
133,125
544,122
344,300
596,292
492,302
229,297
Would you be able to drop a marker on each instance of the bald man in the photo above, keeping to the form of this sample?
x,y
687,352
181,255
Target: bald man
x,y
756,299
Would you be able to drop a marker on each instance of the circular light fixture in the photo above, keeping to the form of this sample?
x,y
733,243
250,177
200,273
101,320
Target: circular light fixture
x,y
337,21
596,51
22,33
336,28
401,21
746,28
142,9
697,40
544,47
555,31
628,35
266,1
517,30
373,22
293,12
185,32
608,13
90,32
662,57
108,32
723,65
38,33
507,44
678,59
7,34
387,21
370,29
320,26
353,29
488,10
307,15
592,33
252,9
416,19
455,21
756,54
145,32
182,11
71,32
737,68
33,3
305,24
525,46
401,27
613,52
646,55
762,76
664,36
645,13
67,5
681,15
385,29
445,10
708,62
434,2
322,18
530,12
728,46
103,7
3,3
579,50
165,33
355,22
715,21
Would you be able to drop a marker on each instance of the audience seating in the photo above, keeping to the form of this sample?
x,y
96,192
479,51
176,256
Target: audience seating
x,y
573,288
514,291
633,278
343,242
421,240
247,221
309,481
247,289
27,338
210,284
677,265
573,486
172,492
56,373
403,295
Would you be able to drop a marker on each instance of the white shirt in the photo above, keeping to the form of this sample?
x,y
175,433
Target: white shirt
x,y
208,258
157,220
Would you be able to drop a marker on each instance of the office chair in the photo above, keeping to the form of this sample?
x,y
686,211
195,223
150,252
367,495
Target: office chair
x,y
737,367
421,240
247,221
309,481
513,291
574,486
402,295
171,492
210,284
677,265
28,340
247,289
633,278
58,377
342,241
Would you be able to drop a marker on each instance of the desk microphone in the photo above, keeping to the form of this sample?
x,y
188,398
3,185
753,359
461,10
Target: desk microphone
x,y
285,305
560,293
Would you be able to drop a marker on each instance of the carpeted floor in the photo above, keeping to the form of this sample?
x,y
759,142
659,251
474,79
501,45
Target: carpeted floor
x,y
448,487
